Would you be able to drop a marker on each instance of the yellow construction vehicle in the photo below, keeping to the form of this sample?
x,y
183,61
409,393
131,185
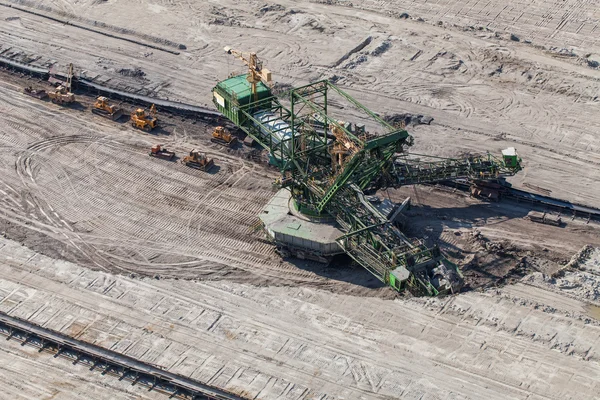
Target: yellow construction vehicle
x,y
198,160
223,136
141,120
106,110
62,94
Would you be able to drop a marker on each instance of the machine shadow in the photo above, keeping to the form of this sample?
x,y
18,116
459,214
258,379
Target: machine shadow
x,y
431,225
342,268
434,221
454,229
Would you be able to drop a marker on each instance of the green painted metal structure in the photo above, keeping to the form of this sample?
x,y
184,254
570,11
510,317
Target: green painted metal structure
x,y
329,164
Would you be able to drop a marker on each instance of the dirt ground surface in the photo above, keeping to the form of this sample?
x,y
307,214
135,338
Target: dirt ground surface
x,y
168,264
536,339
83,188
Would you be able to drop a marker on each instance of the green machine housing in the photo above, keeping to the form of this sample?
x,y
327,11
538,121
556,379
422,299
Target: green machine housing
x,y
234,94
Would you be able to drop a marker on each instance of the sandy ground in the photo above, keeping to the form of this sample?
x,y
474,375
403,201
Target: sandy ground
x,y
243,319
83,188
91,195
537,339
197,290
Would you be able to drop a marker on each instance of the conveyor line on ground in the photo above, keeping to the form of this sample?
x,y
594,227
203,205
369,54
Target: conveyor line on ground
x,y
85,84
563,206
109,362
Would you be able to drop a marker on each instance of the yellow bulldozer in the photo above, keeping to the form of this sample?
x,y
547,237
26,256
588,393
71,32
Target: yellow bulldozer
x,y
198,160
141,120
106,110
222,136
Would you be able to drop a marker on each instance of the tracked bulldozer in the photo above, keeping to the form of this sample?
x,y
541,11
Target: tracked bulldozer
x,y
141,120
223,137
159,151
106,110
198,160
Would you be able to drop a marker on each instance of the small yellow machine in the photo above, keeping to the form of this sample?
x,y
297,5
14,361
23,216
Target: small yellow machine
x,y
62,94
223,136
106,110
141,120
198,160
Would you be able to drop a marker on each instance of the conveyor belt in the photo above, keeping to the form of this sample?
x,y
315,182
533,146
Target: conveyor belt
x,y
109,362
577,209
163,105
39,72
82,83
519,195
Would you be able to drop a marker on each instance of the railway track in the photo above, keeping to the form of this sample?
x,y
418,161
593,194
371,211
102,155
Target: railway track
x,y
109,362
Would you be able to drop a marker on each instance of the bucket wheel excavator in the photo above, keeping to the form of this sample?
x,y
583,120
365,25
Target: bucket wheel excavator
x,y
328,167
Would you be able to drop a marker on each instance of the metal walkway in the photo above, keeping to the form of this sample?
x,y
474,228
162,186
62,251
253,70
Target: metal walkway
x,y
109,362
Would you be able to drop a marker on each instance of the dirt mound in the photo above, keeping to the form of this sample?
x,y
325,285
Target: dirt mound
x,y
132,73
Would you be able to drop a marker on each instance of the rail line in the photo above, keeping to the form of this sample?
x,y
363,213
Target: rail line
x,y
109,362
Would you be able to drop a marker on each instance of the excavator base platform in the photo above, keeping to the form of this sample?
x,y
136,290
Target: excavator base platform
x,y
297,236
